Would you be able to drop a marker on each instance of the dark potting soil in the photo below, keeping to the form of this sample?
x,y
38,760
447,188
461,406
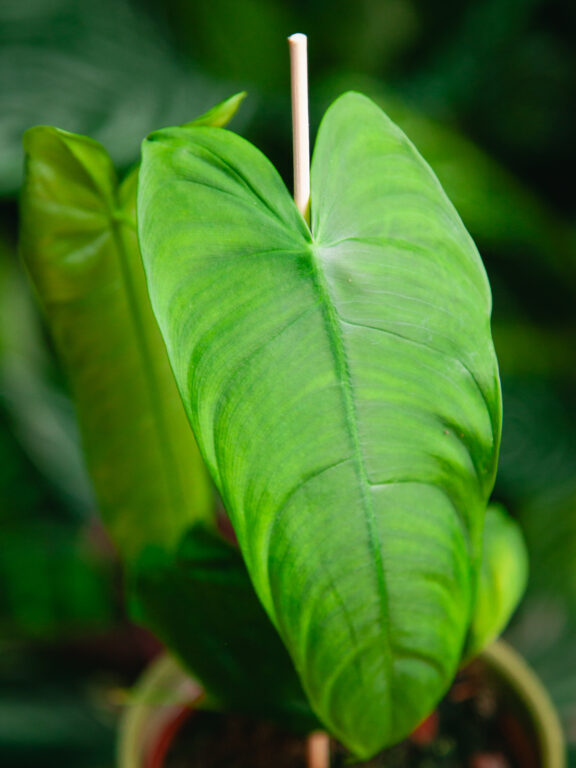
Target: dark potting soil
x,y
475,726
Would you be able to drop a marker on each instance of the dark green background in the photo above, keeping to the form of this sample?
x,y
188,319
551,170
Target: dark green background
x,y
485,89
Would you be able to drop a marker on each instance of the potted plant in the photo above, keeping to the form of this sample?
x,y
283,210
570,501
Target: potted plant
x,y
335,362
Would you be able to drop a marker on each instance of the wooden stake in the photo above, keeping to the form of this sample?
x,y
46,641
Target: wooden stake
x,y
300,126
318,750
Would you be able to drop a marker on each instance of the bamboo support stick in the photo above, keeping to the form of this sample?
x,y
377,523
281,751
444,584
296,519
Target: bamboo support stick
x,y
318,750
300,124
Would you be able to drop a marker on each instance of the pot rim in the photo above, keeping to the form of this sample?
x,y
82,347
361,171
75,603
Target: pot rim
x,y
157,699
165,689
505,661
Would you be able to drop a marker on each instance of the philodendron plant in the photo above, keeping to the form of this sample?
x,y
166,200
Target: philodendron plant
x,y
341,383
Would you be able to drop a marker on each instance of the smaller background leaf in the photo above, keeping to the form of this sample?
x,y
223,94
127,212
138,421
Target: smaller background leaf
x,y
222,634
503,578
78,239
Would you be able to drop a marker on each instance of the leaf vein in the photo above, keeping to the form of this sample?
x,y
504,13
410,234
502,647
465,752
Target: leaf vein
x,y
332,319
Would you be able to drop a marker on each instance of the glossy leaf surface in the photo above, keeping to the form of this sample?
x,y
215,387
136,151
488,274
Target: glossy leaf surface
x,y
503,578
78,239
343,388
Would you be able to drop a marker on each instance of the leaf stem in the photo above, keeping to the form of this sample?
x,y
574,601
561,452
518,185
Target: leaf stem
x,y
300,124
318,750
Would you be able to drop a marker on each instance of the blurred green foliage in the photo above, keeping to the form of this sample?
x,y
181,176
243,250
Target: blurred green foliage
x,y
486,90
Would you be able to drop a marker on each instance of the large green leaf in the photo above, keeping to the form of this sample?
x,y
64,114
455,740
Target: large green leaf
x,y
343,388
503,578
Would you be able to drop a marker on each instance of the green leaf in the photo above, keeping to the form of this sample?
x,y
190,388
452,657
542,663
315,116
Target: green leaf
x,y
220,115
343,388
78,239
223,636
503,579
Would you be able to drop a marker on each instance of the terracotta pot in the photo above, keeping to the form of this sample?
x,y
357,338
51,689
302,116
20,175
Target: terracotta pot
x,y
165,697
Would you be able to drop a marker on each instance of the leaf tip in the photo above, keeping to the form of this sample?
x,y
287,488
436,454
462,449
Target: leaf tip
x,y
220,115
35,134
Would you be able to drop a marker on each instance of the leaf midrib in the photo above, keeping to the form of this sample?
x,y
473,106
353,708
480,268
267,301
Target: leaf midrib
x,y
338,348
